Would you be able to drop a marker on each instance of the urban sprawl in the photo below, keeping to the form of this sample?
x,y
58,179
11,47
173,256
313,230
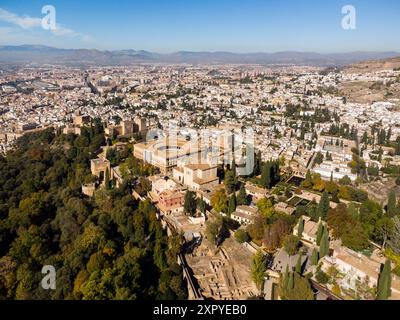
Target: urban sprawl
x,y
315,217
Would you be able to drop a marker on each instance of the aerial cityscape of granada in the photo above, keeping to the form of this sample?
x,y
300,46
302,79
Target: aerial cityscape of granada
x,y
200,150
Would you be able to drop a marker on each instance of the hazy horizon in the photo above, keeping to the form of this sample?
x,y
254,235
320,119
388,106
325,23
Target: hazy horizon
x,y
193,51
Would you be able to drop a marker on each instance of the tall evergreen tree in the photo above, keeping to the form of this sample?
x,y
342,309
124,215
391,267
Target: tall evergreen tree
x,y
314,257
380,154
392,204
320,232
190,204
298,265
242,196
323,206
107,182
229,182
266,176
257,163
385,282
202,205
300,228
276,172
324,246
389,135
258,268
233,168
290,281
397,146
364,138
232,204
286,277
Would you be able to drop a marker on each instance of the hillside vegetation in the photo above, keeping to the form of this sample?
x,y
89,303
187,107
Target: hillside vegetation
x,y
108,247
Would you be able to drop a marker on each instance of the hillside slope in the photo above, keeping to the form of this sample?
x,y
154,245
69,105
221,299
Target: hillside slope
x,y
373,65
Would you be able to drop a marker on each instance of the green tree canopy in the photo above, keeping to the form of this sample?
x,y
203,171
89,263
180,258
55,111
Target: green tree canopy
x,y
232,204
242,198
324,246
258,269
392,208
291,244
323,206
242,236
385,282
190,204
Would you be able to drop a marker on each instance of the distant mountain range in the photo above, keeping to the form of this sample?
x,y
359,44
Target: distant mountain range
x,y
37,54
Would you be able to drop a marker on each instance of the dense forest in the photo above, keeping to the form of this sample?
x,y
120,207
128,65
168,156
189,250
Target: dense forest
x,y
107,247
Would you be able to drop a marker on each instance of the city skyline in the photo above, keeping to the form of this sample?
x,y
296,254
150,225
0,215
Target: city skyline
x,y
166,27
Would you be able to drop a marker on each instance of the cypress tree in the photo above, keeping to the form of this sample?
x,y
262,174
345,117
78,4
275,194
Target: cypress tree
x,y
290,281
286,278
275,174
389,135
242,196
298,265
258,268
364,138
257,163
302,133
272,173
234,169
385,282
301,228
229,182
320,231
391,207
324,247
266,176
314,257
323,206
380,154
397,146
232,204
202,205
190,204
107,179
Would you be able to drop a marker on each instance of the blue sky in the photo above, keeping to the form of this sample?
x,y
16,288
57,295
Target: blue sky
x,y
205,25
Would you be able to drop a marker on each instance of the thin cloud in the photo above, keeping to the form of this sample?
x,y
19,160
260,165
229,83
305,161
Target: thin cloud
x,y
23,22
26,22
62,31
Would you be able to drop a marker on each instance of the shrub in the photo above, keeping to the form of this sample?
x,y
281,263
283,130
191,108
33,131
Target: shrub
x,y
322,277
291,244
241,236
